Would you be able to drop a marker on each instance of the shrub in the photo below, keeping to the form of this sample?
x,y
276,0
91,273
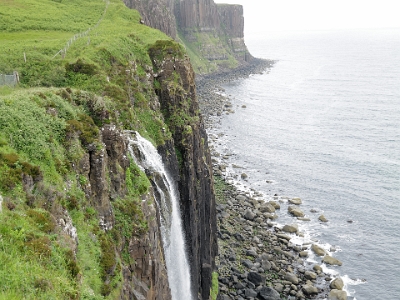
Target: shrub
x,y
42,219
82,67
40,246
108,262
72,265
12,167
85,127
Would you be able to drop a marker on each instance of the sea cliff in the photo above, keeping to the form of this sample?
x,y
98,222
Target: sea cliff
x,y
78,214
213,34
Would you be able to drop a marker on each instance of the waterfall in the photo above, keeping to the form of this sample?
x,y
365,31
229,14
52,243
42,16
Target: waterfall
x,y
148,159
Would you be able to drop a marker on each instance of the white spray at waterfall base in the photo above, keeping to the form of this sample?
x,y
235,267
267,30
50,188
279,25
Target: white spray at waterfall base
x,y
148,159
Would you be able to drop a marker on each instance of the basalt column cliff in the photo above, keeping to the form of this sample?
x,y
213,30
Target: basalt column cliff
x,y
212,33
180,108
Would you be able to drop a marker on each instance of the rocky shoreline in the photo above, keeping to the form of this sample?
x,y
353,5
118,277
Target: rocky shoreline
x,y
211,99
257,259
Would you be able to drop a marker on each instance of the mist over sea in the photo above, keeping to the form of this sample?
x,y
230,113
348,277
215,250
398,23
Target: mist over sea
x,y
324,125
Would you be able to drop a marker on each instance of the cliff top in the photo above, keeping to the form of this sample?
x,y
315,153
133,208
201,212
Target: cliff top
x,y
85,73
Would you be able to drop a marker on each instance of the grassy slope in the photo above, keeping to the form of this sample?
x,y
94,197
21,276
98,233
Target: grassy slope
x,y
36,257
215,45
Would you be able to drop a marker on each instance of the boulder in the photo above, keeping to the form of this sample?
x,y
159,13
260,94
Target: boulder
x,y
244,176
303,254
241,198
310,275
251,252
250,293
323,219
256,278
268,293
266,265
247,263
239,237
337,284
297,212
309,289
337,295
317,268
318,250
278,287
267,208
331,260
293,228
292,278
300,295
283,236
296,201
275,204
239,286
249,215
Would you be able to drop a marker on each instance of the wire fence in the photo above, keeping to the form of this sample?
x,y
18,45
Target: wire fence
x,y
10,80
77,36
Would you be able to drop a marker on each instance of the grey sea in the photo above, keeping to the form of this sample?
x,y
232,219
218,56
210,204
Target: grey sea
x,y
323,124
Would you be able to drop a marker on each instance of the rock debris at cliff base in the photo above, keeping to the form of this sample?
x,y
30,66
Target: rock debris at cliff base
x,y
256,258
212,99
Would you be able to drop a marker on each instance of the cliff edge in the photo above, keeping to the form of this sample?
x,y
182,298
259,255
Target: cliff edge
x,y
79,219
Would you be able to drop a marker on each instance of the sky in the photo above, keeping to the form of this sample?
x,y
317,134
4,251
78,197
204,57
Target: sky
x,y
278,15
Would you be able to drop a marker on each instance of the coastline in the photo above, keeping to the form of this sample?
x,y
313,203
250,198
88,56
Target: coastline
x,y
256,256
209,91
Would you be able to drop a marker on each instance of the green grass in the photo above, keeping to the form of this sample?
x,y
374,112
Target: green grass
x,y
217,46
220,188
33,260
49,122
214,286
41,34
97,62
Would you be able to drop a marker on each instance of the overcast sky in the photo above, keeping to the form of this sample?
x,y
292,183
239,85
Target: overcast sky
x,y
277,15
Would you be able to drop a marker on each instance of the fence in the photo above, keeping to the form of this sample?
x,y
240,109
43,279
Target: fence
x,y
64,50
10,80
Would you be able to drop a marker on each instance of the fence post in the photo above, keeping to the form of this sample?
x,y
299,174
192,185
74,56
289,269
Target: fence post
x,y
24,57
16,77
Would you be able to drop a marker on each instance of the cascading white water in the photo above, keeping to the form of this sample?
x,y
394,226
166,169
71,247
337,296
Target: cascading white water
x,y
147,157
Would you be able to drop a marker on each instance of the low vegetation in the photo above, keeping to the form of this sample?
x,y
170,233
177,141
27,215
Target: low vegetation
x,y
49,122
214,286
217,48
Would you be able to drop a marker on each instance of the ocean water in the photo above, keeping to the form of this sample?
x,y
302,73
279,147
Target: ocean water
x,y
323,124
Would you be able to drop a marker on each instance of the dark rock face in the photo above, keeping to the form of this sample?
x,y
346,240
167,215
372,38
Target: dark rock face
x,y
117,162
147,278
190,17
201,14
231,17
106,170
109,161
220,20
157,14
177,94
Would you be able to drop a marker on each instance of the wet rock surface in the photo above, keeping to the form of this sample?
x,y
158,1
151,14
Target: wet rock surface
x,y
256,259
